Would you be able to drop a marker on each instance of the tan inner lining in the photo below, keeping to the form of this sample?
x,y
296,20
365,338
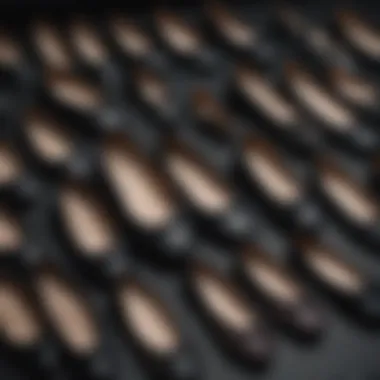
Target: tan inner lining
x,y
87,42
260,91
334,270
10,164
321,103
272,279
75,92
138,187
354,88
178,34
153,90
233,28
199,184
350,197
51,46
272,175
18,320
360,34
68,312
224,301
49,138
10,231
87,220
130,37
148,320
10,53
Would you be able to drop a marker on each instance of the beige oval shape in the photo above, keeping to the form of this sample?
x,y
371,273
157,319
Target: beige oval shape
x,y
260,91
334,270
350,197
51,46
201,186
138,186
272,175
147,319
19,323
224,300
68,312
50,140
87,220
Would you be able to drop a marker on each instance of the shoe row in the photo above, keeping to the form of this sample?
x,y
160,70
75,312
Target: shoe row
x,y
50,318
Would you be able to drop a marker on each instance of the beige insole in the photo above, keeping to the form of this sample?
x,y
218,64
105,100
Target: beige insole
x,y
10,231
75,92
334,270
10,164
68,312
49,138
271,174
355,89
272,279
130,37
232,27
52,46
87,42
19,323
350,197
181,36
147,319
153,89
260,91
138,189
321,102
203,189
87,220
359,33
10,53
223,300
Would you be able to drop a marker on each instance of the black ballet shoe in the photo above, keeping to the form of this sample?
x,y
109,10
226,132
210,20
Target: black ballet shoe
x,y
48,144
24,337
265,103
76,326
237,326
78,100
183,41
49,47
284,297
240,34
154,96
144,200
151,329
214,204
88,45
265,174
360,36
347,199
89,232
359,90
354,291
130,41
340,124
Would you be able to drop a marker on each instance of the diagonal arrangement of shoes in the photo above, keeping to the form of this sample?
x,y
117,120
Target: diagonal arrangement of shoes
x,y
162,143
